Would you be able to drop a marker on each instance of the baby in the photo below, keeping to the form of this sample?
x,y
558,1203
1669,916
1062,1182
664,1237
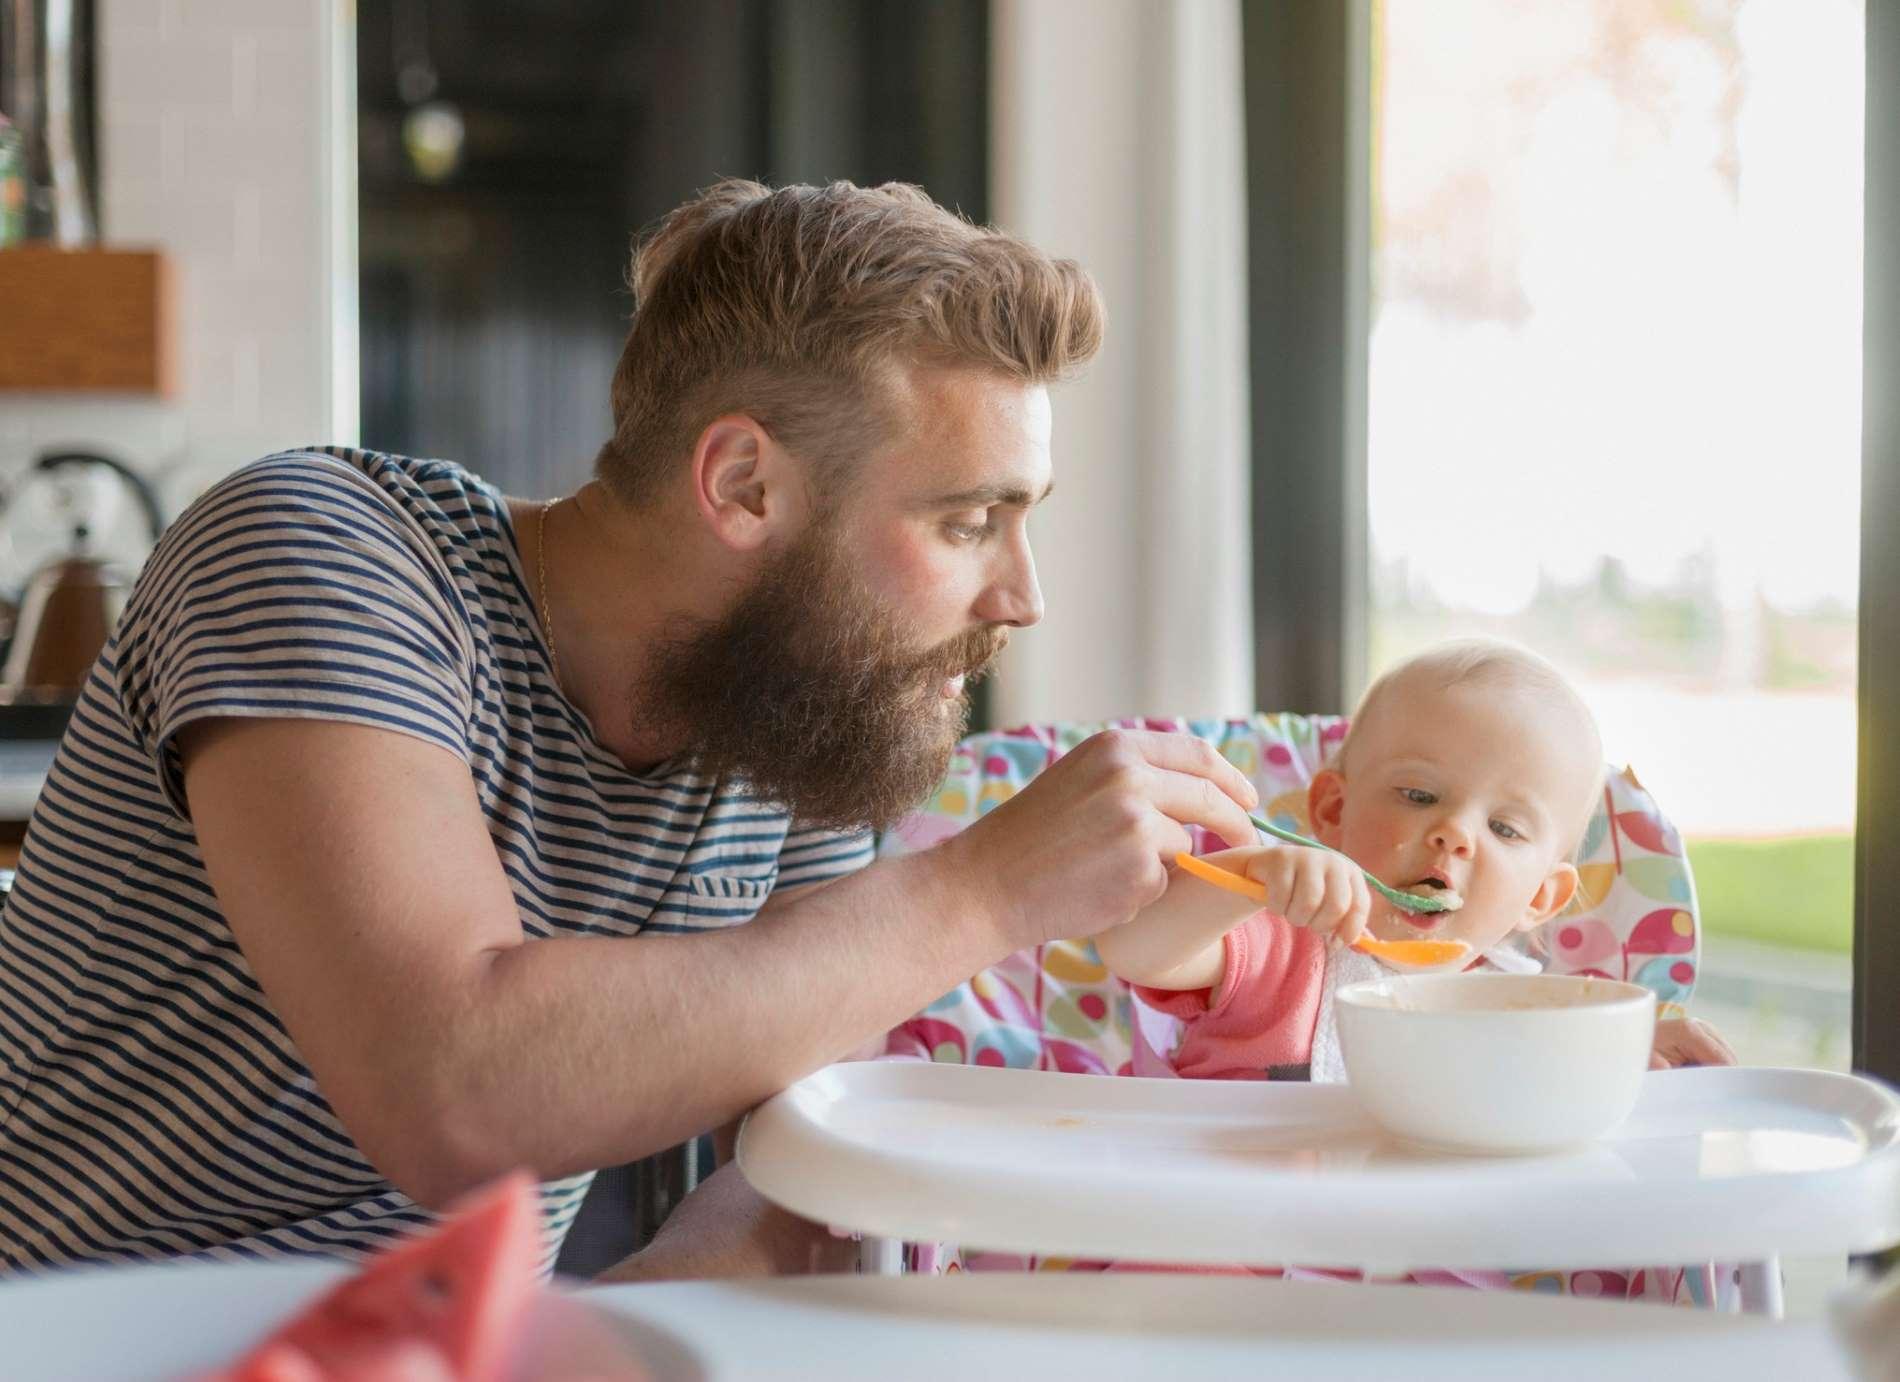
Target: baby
x,y
1472,768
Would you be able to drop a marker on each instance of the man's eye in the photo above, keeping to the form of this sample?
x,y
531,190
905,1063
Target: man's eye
x,y
967,532
1505,831
1418,796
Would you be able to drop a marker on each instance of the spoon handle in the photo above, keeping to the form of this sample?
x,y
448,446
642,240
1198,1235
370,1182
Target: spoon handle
x,y
1419,954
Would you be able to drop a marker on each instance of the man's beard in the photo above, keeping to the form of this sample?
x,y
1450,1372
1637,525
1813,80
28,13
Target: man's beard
x,y
809,692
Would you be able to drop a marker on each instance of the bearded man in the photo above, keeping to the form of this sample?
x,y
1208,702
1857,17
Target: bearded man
x,y
405,832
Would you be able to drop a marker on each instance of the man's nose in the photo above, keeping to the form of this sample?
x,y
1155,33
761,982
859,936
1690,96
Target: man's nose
x,y
1014,597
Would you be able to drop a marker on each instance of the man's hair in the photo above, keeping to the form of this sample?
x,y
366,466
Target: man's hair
x,y
798,306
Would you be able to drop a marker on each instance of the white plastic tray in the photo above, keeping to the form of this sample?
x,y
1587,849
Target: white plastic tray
x,y
1732,1164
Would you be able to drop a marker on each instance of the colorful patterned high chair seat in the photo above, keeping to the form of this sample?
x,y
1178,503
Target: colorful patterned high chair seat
x,y
1058,1008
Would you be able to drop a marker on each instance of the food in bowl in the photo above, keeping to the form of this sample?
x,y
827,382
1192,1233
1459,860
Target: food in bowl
x,y
1496,1063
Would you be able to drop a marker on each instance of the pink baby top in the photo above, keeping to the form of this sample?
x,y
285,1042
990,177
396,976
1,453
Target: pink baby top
x,y
1257,1022
1271,1015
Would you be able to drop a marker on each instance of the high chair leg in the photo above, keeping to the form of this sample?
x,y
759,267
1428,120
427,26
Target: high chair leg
x,y
1760,1285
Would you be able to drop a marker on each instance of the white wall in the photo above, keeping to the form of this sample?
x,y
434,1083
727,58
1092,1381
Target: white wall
x,y
227,135
1116,139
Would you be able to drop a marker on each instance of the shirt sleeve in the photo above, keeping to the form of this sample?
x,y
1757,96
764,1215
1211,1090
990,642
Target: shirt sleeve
x,y
1260,1015
812,855
296,589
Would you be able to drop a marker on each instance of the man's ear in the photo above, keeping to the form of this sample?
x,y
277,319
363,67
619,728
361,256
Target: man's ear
x,y
747,487
1326,805
1551,897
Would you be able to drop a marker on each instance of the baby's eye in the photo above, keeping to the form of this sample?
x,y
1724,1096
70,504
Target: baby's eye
x,y
1506,831
1418,796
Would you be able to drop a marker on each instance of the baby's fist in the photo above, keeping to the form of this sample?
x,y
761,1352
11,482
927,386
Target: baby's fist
x,y
1684,1041
1321,891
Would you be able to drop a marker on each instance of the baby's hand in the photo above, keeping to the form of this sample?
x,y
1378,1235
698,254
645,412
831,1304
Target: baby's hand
x,y
1324,892
1685,1041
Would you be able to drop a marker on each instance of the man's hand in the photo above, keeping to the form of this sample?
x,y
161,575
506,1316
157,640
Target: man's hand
x,y
1687,1041
1086,844
1323,892
725,1228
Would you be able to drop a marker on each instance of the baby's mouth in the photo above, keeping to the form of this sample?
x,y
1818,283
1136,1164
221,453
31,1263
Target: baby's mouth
x,y
1431,885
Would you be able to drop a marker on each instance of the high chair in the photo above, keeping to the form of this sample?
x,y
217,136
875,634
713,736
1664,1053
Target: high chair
x,y
1056,1007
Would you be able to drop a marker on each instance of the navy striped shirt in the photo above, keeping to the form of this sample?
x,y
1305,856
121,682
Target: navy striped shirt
x,y
151,1103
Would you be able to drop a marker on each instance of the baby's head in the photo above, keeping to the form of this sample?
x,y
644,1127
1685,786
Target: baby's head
x,y
1472,766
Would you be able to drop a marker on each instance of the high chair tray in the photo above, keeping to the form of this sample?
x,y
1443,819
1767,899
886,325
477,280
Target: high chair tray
x,y
1721,1163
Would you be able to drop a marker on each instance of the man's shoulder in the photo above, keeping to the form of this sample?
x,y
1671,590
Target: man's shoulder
x,y
436,502
406,479
314,516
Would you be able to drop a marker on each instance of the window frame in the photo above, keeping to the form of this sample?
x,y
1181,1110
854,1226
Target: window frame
x,y
1876,1013
1308,113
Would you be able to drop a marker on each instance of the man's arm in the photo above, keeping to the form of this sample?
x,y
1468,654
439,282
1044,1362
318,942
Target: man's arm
x,y
725,1228
357,873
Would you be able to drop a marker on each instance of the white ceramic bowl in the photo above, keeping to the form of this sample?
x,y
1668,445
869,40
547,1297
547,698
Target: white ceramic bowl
x,y
1496,1063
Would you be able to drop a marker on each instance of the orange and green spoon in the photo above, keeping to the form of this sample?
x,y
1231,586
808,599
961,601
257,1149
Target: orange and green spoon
x,y
1419,954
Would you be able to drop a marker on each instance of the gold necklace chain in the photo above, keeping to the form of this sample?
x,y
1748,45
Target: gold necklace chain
x,y
547,611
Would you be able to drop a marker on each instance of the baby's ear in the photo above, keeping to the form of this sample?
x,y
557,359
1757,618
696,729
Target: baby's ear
x,y
1552,895
1326,805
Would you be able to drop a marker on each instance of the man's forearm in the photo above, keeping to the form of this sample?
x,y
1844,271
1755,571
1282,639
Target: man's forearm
x,y
725,1229
577,1053
1175,942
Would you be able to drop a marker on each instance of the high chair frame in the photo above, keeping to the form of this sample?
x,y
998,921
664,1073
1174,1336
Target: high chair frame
x,y
1056,1008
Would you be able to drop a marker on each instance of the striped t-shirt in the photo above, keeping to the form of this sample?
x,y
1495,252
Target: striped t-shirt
x,y
151,1103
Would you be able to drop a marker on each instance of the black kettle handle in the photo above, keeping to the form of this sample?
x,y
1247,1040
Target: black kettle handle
x,y
137,483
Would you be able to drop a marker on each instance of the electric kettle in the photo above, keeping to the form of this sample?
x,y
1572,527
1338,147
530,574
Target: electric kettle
x,y
72,602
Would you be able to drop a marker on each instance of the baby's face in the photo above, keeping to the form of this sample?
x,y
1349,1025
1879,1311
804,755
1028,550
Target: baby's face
x,y
1477,788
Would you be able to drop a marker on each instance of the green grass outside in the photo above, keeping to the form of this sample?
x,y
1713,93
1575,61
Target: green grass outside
x,y
1797,892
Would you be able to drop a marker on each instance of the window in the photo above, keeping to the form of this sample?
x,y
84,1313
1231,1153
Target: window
x,y
1614,413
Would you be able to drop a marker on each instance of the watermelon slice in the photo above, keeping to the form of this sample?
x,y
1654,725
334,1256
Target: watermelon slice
x,y
445,1306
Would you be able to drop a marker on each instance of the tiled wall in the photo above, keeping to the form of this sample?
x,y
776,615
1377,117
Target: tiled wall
x,y
227,138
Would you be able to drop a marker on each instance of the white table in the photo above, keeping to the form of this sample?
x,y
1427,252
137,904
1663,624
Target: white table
x,y
161,1322
1052,1325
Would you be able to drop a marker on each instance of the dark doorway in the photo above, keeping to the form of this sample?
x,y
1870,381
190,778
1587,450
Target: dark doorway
x,y
510,149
